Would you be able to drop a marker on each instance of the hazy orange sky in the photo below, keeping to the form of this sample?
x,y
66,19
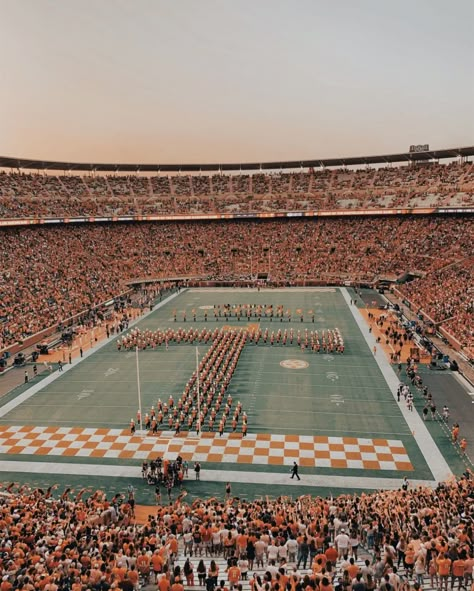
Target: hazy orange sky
x,y
233,81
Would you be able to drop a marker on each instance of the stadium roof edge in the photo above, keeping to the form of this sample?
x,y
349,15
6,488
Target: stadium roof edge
x,y
30,164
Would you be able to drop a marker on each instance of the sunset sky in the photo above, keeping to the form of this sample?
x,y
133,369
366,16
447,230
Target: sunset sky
x,y
188,81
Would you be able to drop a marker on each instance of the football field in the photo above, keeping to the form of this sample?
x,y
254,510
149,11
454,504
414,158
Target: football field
x,y
334,414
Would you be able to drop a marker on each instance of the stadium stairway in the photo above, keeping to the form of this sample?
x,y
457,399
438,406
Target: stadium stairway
x,y
222,564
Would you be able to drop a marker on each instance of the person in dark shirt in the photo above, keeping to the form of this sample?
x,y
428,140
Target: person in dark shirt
x,y
294,471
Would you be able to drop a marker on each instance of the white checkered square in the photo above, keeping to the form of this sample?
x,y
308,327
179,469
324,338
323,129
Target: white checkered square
x,y
56,451
43,436
29,450
321,446
131,447
246,451
337,455
351,447
281,437
323,463
260,460
275,452
70,437
355,464
84,453
114,453
388,466
96,438
49,443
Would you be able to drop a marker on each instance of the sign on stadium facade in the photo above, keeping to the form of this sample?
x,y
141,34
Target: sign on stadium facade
x,y
420,148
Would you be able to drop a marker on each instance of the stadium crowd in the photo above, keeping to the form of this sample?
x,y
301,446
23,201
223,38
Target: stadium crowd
x,y
51,273
85,541
447,297
422,185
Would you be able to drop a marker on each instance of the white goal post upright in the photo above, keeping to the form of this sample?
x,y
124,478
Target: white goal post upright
x,y
139,391
198,385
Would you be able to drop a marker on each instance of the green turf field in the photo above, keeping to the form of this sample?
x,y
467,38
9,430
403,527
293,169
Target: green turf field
x,y
333,395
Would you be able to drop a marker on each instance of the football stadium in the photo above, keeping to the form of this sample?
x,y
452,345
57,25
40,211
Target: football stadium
x,y
248,375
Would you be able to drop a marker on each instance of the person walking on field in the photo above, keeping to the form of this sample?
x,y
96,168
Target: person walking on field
x,y
294,471
197,470
455,432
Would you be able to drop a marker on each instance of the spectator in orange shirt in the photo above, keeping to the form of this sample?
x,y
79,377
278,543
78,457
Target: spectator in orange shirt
x,y
242,539
177,586
164,582
409,561
331,554
157,563
317,565
352,568
469,570
458,569
133,576
119,571
233,574
126,584
444,569
455,432
143,565
173,547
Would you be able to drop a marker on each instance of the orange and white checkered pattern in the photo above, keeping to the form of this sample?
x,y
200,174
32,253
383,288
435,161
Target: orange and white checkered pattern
x,y
261,448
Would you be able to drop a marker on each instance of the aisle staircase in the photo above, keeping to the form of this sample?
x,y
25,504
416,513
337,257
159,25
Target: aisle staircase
x,y
222,564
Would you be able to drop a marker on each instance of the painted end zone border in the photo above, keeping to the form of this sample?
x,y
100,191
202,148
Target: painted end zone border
x,y
263,448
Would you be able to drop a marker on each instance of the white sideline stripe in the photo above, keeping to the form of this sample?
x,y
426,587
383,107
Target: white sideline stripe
x,y
24,396
435,460
245,477
464,383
